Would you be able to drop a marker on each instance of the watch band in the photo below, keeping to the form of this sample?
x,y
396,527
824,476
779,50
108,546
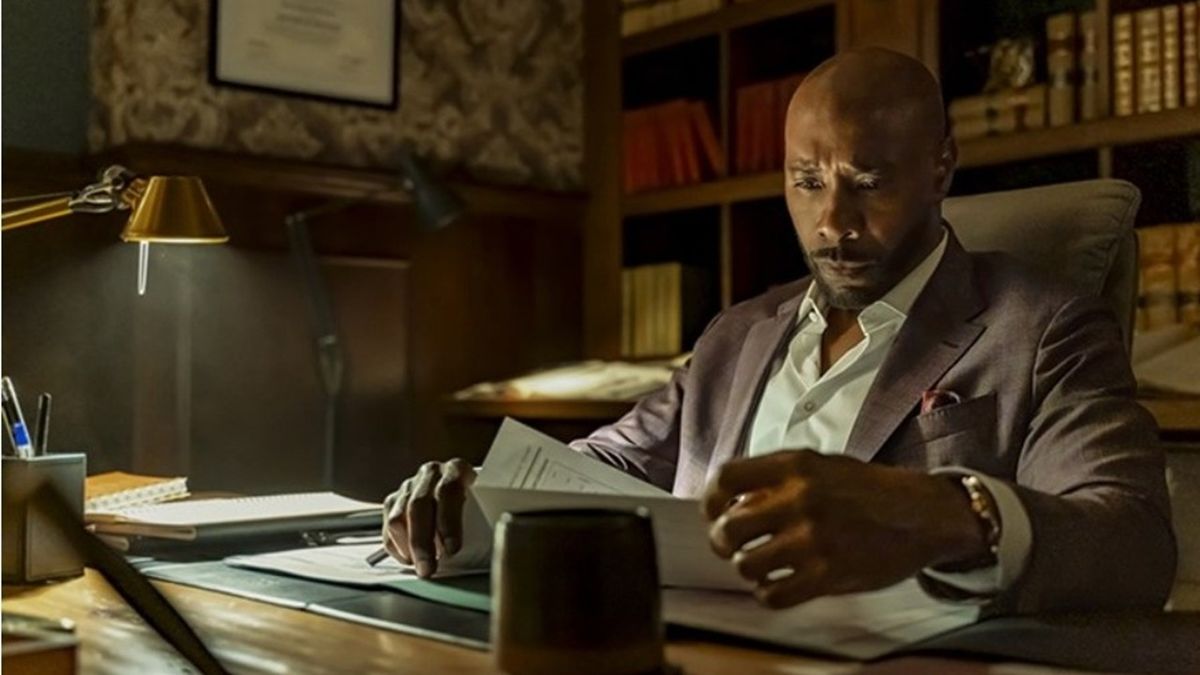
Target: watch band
x,y
988,515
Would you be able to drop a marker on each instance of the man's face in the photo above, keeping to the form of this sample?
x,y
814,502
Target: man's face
x,y
862,190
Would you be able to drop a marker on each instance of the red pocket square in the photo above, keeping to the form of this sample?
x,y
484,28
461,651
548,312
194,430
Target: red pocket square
x,y
937,398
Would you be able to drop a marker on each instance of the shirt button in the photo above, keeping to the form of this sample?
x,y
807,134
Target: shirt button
x,y
810,406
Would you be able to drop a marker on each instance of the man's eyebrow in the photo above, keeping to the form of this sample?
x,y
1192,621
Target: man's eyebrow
x,y
803,165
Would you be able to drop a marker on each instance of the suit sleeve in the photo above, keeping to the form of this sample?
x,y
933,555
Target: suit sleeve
x,y
645,441
1091,476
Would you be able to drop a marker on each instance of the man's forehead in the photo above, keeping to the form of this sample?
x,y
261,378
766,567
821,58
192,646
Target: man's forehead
x,y
870,138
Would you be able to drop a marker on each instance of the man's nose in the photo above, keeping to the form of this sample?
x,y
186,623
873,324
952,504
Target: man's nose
x,y
841,217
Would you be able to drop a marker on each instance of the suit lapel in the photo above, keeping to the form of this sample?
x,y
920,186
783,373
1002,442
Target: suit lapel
x,y
763,342
936,334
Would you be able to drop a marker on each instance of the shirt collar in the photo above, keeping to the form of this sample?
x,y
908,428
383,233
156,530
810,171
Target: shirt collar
x,y
894,305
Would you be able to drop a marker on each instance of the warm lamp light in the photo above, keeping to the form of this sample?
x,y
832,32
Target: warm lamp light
x,y
166,210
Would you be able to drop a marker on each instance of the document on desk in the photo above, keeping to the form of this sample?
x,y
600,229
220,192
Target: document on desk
x,y
859,626
347,564
526,470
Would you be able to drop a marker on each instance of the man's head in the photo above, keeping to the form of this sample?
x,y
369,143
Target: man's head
x,y
868,162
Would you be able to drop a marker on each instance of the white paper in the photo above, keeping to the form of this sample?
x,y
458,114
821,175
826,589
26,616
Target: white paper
x,y
526,470
859,626
521,457
685,559
199,512
345,564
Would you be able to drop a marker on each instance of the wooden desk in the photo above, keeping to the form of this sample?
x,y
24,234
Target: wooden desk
x,y
253,637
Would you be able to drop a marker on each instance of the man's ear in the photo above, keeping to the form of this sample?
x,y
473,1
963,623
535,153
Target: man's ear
x,y
945,163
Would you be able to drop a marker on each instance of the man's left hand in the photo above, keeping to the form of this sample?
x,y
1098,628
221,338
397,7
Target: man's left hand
x,y
835,525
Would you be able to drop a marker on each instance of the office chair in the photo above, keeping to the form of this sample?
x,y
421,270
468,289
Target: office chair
x,y
1081,232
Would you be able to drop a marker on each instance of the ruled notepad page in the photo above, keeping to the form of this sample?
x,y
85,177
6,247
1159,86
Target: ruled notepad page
x,y
202,512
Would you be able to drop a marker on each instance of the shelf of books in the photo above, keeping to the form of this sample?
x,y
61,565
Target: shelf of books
x,y
653,24
1039,92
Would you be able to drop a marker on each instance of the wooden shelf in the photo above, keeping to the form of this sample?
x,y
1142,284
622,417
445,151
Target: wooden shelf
x,y
1079,137
732,15
983,152
540,409
1175,416
336,182
712,193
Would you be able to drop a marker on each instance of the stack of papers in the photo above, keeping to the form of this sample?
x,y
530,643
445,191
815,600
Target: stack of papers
x,y
526,470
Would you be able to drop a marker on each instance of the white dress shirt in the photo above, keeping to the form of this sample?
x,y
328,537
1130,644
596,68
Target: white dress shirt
x,y
801,407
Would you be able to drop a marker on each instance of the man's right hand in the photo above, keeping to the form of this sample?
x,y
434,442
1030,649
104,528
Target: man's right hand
x,y
423,520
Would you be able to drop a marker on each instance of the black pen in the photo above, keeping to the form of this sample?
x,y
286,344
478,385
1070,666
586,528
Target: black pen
x,y
377,557
16,421
41,433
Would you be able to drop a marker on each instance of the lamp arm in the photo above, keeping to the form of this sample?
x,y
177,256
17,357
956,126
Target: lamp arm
x,y
118,189
29,215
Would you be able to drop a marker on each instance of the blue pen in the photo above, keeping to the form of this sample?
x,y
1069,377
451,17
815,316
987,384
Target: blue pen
x,y
16,421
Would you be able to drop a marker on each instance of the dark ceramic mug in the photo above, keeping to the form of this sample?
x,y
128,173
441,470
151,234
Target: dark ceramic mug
x,y
576,591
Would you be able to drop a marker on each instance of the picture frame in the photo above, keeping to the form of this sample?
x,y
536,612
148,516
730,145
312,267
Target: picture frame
x,y
340,52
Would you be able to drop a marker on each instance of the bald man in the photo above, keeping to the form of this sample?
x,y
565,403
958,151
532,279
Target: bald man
x,y
908,409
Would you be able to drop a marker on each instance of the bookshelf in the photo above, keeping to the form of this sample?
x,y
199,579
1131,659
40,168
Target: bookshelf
x,y
734,225
737,219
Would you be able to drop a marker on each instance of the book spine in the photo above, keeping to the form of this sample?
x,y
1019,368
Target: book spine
x,y
1060,68
1089,68
1171,58
1187,272
1148,60
627,313
1159,288
1191,53
673,273
703,129
741,138
1123,65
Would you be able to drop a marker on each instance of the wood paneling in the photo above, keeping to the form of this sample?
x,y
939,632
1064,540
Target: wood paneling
x,y
494,295
902,25
602,173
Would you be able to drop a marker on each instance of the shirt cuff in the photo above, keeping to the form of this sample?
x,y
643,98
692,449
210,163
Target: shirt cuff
x,y
1016,541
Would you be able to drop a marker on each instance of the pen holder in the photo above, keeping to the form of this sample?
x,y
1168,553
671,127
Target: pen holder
x,y
34,549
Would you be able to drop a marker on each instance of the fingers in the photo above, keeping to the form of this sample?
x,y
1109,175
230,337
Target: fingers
x,y
422,512
395,523
746,475
756,514
451,495
807,581
788,549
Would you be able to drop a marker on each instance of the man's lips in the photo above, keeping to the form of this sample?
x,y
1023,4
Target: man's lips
x,y
847,268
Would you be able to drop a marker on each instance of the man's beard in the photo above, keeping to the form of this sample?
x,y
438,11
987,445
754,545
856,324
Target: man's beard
x,y
885,271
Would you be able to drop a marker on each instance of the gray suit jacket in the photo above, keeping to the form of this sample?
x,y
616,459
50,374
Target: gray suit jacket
x,y
1047,404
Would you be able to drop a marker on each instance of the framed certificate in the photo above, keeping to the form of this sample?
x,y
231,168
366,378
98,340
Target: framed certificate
x,y
336,50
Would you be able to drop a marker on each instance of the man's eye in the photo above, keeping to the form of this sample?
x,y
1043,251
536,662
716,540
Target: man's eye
x,y
808,184
868,184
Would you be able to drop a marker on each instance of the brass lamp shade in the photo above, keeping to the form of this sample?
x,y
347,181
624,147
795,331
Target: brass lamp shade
x,y
175,210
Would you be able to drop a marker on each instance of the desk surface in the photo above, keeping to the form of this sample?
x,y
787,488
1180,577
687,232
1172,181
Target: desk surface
x,y
253,637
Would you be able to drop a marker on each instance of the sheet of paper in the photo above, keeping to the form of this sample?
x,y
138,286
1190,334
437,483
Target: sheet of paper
x,y
526,470
680,532
336,564
521,457
859,626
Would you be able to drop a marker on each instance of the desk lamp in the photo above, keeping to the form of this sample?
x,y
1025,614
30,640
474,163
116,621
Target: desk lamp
x,y
437,207
166,210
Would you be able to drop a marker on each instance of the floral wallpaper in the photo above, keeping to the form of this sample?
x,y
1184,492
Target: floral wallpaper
x,y
489,88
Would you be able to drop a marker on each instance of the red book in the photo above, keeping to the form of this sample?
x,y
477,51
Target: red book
x,y
741,139
767,134
703,127
784,88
